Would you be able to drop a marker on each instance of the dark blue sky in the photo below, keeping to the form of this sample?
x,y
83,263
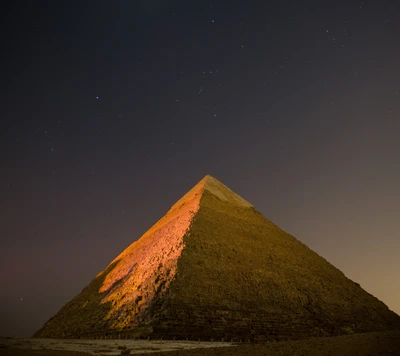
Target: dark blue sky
x,y
112,110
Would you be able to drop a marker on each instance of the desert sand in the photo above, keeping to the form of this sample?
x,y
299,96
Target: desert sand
x,y
36,346
367,344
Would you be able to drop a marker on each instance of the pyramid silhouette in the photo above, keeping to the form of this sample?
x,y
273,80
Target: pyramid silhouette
x,y
214,267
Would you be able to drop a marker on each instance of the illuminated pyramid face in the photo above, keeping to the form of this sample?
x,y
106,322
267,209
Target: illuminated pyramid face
x,y
214,267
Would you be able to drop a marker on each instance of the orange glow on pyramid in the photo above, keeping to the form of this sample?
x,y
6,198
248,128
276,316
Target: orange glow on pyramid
x,y
214,267
149,264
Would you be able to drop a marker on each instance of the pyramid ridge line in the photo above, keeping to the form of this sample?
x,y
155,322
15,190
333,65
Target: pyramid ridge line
x,y
181,279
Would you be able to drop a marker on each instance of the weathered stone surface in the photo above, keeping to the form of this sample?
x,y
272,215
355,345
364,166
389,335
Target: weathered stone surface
x,y
215,268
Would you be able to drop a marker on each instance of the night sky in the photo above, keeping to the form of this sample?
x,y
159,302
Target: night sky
x,y
112,110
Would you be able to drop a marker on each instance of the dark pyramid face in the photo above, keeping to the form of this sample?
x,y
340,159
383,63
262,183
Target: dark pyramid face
x,y
213,267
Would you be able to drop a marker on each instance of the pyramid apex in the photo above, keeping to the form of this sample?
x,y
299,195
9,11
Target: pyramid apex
x,y
214,186
208,177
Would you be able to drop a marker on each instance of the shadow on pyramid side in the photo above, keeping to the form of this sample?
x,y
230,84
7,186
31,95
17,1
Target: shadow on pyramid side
x,y
215,268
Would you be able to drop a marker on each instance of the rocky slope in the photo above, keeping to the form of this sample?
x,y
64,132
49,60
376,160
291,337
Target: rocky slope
x,y
214,267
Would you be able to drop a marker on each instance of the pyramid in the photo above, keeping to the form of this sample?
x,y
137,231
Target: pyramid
x,y
214,268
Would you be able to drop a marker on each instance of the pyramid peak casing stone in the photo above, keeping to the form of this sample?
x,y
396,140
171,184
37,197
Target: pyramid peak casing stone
x,y
214,267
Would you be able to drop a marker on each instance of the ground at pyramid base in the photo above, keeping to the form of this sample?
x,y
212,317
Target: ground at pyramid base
x,y
214,268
